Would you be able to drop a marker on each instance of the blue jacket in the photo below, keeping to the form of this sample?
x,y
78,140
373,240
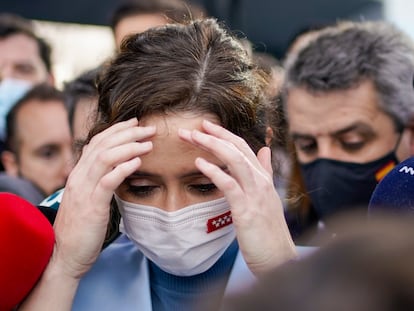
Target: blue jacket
x,y
119,280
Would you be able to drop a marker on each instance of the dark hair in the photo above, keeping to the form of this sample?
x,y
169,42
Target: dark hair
x,y
11,24
177,11
342,56
42,92
83,86
197,67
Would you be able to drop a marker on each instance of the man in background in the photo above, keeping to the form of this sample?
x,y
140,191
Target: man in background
x,y
349,102
136,16
24,61
39,142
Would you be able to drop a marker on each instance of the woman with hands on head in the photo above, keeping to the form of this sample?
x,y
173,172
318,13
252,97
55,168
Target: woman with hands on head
x,y
179,150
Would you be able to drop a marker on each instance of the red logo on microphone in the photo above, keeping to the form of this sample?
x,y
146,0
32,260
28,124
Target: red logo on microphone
x,y
219,222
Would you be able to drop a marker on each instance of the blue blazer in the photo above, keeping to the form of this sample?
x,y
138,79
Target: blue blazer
x,y
119,280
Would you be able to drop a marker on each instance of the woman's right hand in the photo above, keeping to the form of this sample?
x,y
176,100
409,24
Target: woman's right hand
x,y
83,216
84,212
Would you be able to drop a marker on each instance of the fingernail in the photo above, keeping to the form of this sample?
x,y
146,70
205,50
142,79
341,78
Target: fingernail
x,y
210,124
201,161
196,133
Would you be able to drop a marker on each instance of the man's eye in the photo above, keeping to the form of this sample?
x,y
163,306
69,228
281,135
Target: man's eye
x,y
307,147
48,153
141,191
204,189
354,146
25,68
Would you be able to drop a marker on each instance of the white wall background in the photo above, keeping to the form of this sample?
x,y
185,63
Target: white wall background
x,y
401,13
75,48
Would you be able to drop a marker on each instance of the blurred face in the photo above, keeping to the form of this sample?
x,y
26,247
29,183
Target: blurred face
x,y
168,178
341,125
20,59
137,24
45,144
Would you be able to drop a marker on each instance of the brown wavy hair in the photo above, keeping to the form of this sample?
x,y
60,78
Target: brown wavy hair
x,y
198,68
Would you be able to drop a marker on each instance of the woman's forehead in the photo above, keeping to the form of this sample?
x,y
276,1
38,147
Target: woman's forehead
x,y
169,148
171,122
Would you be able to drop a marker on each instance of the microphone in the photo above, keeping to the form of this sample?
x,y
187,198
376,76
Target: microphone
x,y
395,192
26,239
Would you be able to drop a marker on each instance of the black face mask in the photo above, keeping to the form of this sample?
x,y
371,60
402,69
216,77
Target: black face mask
x,y
335,186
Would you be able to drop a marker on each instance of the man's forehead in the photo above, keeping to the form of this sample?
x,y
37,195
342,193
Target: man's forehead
x,y
359,103
19,47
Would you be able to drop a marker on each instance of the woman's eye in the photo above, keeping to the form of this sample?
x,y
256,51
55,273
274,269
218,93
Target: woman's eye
x,y
204,189
141,191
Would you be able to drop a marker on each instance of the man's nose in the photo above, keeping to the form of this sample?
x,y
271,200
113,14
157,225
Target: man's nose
x,y
326,150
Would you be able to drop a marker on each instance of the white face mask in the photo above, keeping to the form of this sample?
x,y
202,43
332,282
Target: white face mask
x,y
184,242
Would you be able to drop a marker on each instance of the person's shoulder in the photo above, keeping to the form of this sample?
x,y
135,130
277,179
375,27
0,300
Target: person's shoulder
x,y
21,187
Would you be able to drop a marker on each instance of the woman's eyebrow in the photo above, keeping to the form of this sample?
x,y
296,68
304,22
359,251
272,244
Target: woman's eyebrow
x,y
193,173
142,174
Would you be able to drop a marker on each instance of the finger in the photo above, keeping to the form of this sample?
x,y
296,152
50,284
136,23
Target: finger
x,y
95,168
185,135
264,156
130,134
224,182
105,189
114,178
97,147
220,132
238,164
94,204
115,128
237,141
210,145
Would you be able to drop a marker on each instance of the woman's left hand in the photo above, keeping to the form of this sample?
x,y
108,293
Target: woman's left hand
x,y
247,184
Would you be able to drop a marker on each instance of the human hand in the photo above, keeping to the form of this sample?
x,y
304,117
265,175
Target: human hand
x,y
247,184
83,216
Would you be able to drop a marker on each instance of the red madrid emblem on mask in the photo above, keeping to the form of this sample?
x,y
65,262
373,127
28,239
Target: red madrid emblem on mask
x,y
219,222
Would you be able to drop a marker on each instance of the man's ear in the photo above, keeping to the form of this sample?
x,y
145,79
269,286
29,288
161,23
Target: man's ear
x,y
10,164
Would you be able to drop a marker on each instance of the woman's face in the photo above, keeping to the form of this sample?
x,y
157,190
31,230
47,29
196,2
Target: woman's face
x,y
168,178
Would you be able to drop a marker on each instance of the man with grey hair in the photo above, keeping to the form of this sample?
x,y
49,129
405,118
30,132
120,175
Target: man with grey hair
x,y
349,101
